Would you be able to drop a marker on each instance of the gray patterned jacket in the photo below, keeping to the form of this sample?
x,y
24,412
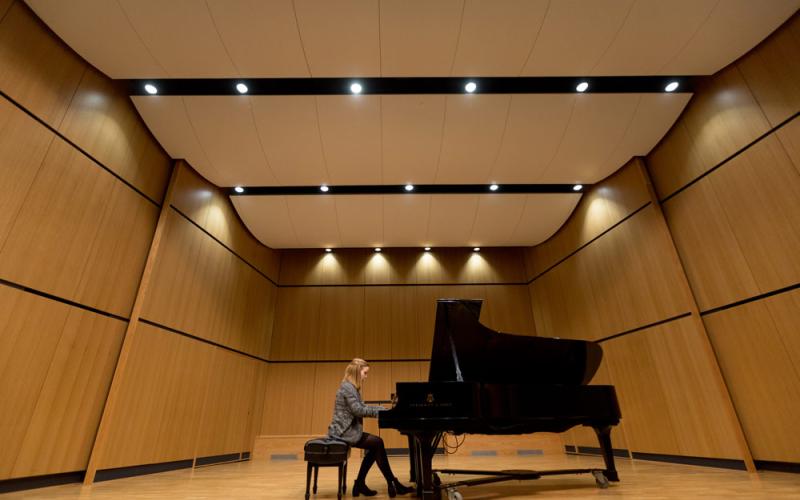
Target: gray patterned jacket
x,y
348,412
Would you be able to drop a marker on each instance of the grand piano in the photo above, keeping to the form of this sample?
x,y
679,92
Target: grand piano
x,y
485,382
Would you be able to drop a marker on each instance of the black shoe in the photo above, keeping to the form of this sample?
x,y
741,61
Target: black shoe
x,y
361,489
397,488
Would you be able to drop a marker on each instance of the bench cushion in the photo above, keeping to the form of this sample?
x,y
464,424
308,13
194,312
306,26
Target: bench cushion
x,y
326,450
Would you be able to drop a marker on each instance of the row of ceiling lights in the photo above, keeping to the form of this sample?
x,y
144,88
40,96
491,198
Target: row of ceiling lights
x,y
357,88
408,187
379,249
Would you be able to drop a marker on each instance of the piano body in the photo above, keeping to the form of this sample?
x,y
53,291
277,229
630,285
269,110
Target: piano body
x,y
486,382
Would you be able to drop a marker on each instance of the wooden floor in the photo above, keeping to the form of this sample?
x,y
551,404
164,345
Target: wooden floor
x,y
286,479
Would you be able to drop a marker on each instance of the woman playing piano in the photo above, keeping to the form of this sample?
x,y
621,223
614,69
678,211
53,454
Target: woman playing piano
x,y
346,425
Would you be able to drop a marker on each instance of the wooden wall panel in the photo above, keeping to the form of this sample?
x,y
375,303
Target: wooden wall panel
x,y
772,74
23,145
296,330
103,121
56,363
722,117
789,135
667,397
759,354
199,287
738,229
39,71
609,202
228,404
327,377
208,207
80,234
507,309
341,323
157,418
290,398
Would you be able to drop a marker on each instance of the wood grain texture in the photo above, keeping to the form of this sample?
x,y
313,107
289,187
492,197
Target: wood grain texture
x,y
789,135
23,145
158,413
341,323
759,354
208,207
102,120
79,234
607,203
296,330
663,383
738,229
56,363
771,72
722,118
39,71
290,398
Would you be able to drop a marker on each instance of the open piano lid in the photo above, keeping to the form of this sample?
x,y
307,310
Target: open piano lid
x,y
466,351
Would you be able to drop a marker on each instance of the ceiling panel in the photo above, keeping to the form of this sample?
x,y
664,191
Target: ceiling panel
x,y
289,131
314,221
536,124
267,217
419,36
542,216
496,218
340,37
360,220
473,130
451,219
350,126
412,135
225,127
497,36
405,219
261,37
575,35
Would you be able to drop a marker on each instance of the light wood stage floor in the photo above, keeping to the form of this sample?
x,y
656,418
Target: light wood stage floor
x,y
264,478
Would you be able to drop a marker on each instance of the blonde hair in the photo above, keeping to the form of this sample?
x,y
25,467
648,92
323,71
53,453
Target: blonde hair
x,y
352,373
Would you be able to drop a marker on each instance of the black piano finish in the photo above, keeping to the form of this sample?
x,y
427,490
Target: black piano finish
x,y
486,382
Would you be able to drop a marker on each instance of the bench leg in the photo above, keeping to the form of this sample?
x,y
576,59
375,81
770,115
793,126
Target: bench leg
x,y
308,479
344,479
316,473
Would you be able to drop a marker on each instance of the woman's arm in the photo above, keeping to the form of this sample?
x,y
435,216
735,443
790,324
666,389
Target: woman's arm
x,y
357,408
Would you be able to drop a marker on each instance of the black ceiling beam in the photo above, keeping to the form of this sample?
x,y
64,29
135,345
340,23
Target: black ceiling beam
x,y
400,189
423,85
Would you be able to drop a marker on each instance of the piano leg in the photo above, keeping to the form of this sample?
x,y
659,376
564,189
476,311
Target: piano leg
x,y
412,458
425,443
604,437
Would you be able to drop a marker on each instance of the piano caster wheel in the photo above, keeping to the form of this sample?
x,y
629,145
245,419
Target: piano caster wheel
x,y
600,479
452,494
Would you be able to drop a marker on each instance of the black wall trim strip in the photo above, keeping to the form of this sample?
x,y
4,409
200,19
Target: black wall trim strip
x,y
80,149
400,189
587,243
365,285
415,85
245,455
198,226
60,299
594,450
29,483
778,466
217,459
724,463
138,470
644,327
734,155
751,299
570,448
206,341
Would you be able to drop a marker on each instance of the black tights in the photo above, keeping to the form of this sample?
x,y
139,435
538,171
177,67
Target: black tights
x,y
376,452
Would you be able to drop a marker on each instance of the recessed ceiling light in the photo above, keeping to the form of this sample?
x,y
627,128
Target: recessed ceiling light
x,y
582,87
471,87
150,89
409,187
494,187
427,249
328,250
239,189
377,249
356,88
476,249
671,86
241,88
577,187
323,188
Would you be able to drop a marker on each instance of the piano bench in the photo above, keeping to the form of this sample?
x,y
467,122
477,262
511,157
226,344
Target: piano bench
x,y
326,452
